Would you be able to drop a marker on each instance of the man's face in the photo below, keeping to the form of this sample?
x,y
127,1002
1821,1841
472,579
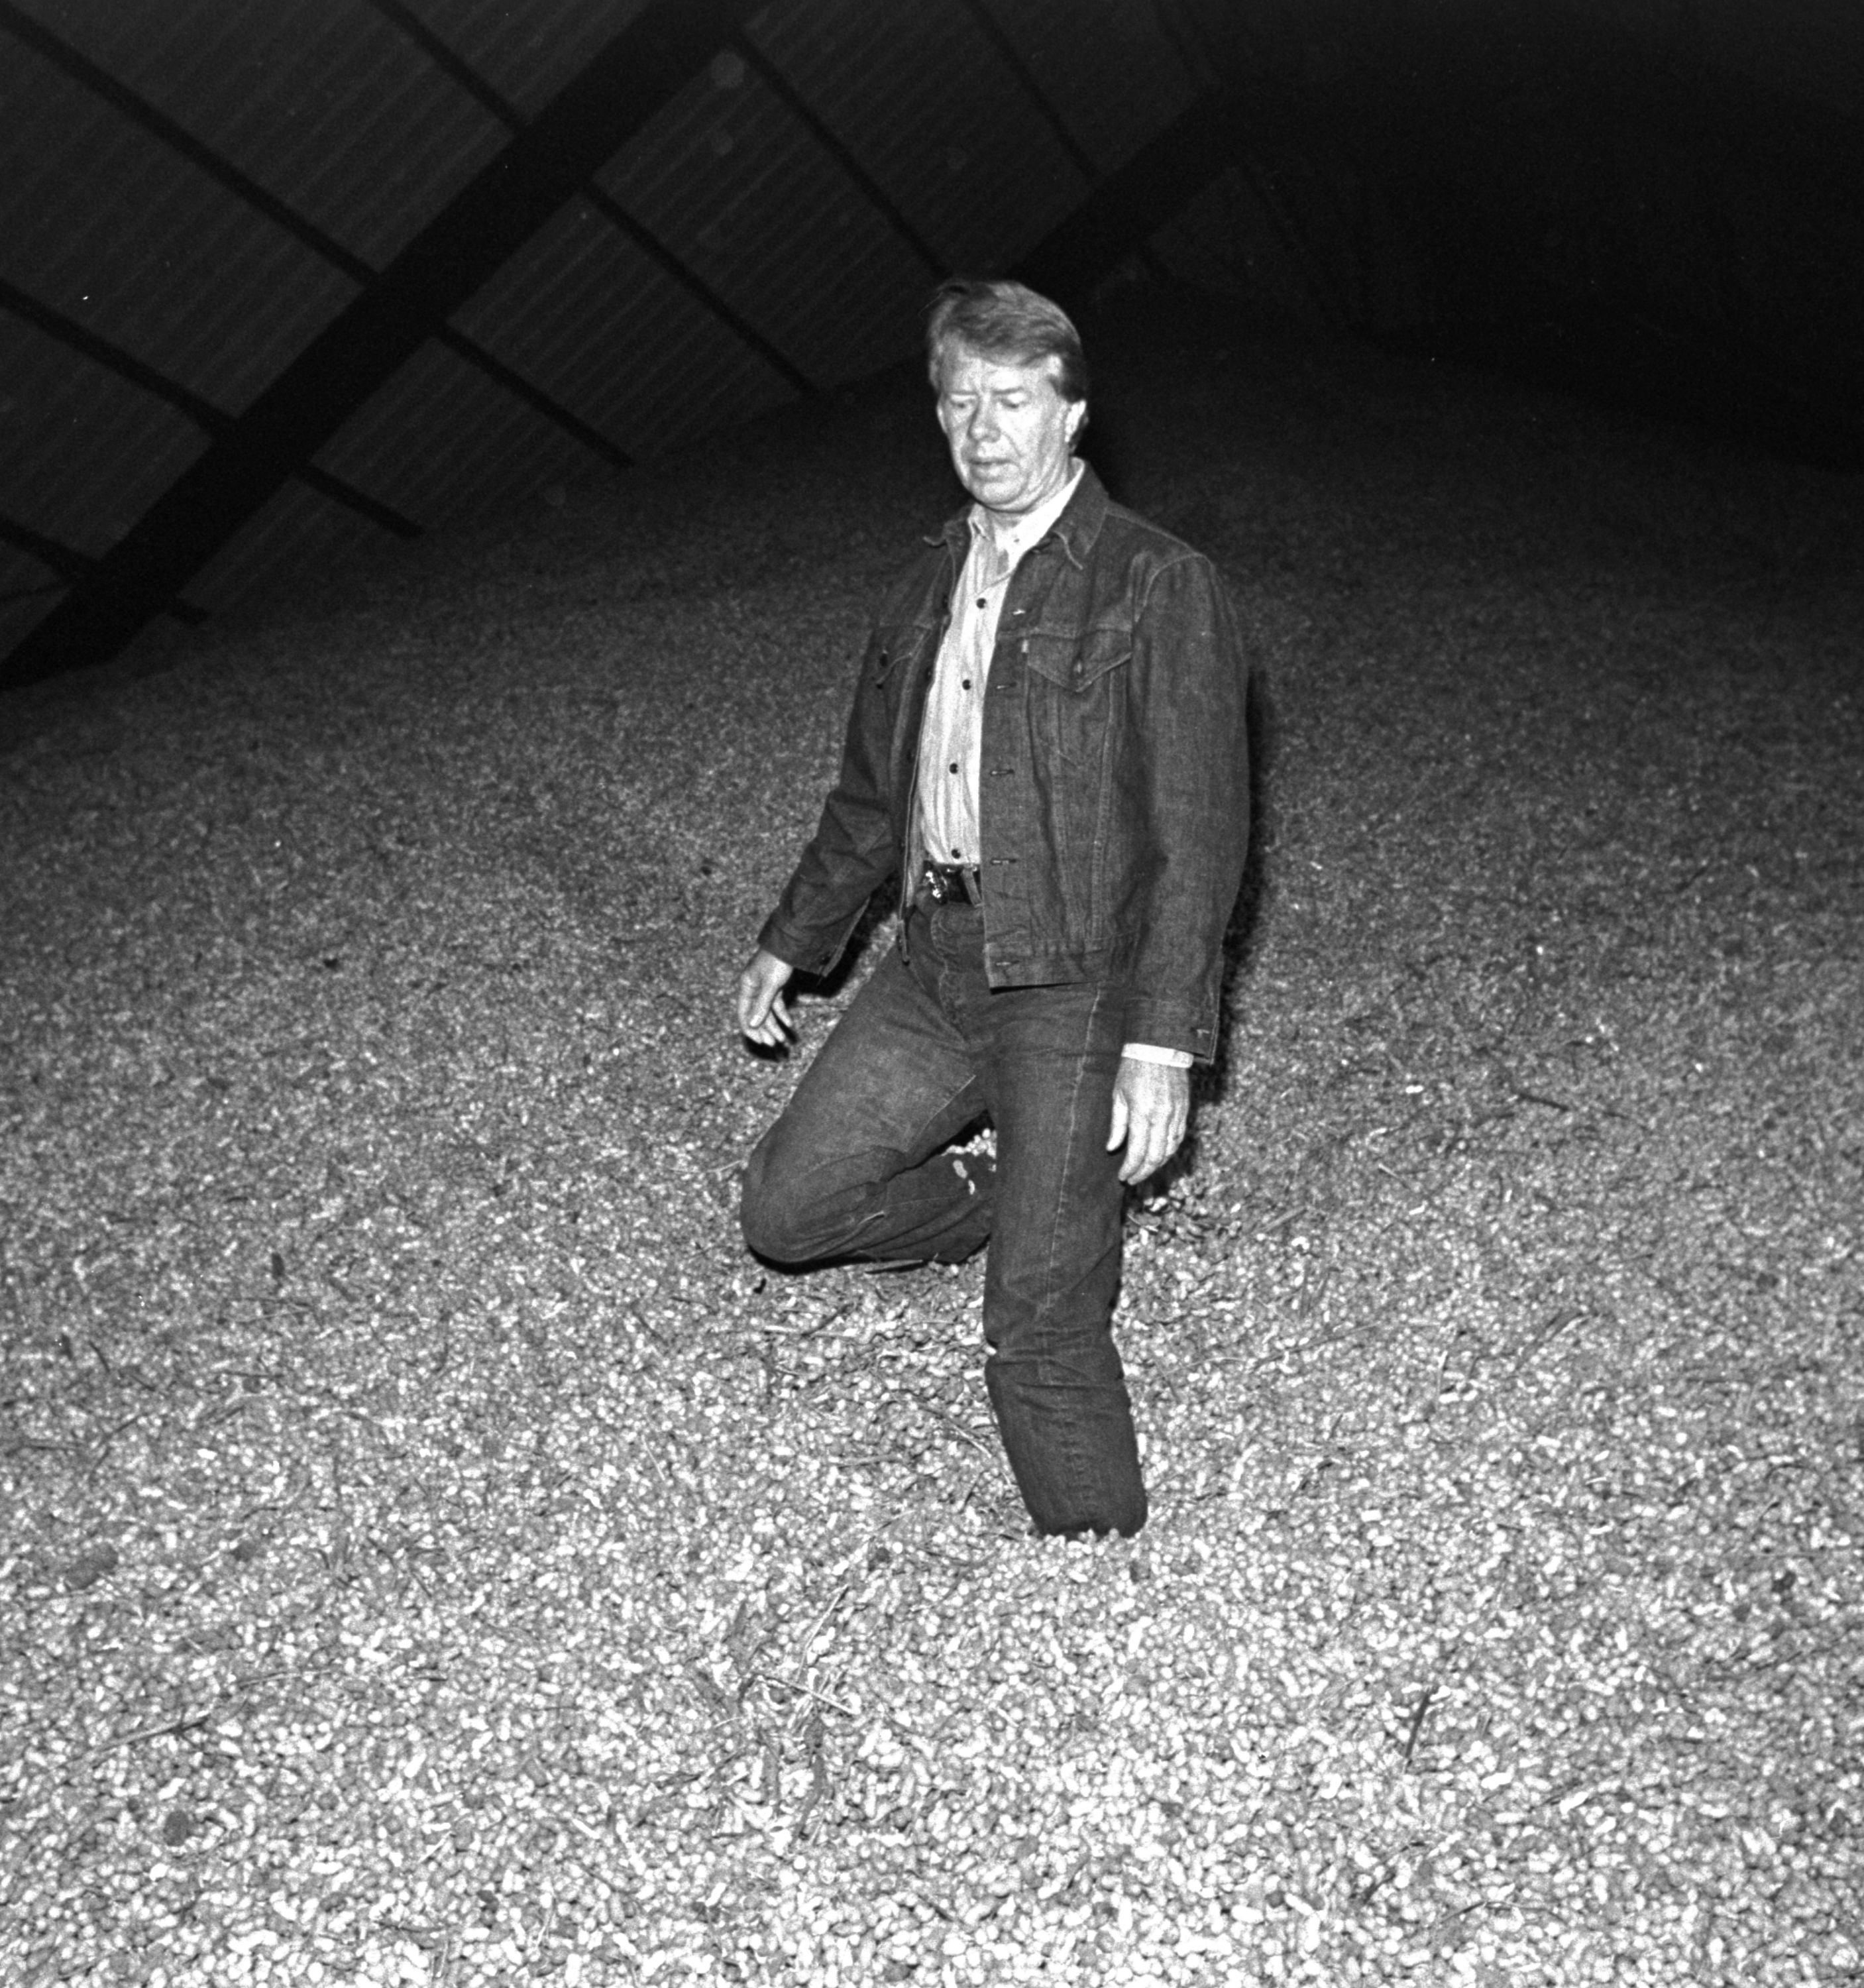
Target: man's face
x,y
1009,432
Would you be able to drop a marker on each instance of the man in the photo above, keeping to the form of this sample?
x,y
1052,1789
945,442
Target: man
x,y
1047,746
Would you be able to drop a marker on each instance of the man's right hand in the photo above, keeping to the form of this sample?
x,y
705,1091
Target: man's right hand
x,y
764,1015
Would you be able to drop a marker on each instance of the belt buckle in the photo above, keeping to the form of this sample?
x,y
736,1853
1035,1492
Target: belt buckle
x,y
945,882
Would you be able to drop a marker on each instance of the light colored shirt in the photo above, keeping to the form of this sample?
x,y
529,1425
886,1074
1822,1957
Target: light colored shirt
x,y
951,737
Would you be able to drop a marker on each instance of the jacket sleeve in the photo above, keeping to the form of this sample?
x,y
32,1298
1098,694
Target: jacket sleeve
x,y
853,851
1192,691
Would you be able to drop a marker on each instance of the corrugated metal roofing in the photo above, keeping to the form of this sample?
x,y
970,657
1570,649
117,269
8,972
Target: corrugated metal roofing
x,y
86,452
193,192
159,258
741,193
330,107
442,440
602,328
935,117
293,543
775,226
527,51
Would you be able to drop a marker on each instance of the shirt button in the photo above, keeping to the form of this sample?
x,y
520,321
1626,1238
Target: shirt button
x,y
954,765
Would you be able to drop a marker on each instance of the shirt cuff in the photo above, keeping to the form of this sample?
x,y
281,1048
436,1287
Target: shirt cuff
x,y
1151,1053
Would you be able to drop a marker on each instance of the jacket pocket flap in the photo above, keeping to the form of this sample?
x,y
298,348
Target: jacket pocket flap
x,y
1075,662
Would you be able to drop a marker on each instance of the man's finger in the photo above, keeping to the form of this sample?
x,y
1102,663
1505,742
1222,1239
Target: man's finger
x,y
768,1023
1151,1146
764,1015
1116,1132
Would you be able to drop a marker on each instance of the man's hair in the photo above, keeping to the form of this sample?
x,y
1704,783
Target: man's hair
x,y
1008,323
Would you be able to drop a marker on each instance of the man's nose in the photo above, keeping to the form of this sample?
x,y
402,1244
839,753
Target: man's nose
x,y
982,425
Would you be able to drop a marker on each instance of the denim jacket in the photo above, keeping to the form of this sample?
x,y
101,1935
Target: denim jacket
x,y
1113,782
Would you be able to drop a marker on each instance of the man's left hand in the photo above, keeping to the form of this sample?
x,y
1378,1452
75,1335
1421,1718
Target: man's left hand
x,y
1151,1106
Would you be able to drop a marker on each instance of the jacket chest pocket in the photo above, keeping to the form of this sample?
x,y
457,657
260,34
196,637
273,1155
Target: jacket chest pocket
x,y
899,668
1077,686
897,650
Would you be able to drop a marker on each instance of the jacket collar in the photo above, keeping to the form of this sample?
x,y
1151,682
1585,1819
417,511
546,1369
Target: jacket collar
x,y
1075,530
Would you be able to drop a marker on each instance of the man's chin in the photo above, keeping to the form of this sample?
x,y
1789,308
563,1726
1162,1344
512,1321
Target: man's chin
x,y
998,494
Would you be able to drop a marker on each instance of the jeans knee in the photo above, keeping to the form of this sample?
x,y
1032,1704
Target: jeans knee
x,y
766,1214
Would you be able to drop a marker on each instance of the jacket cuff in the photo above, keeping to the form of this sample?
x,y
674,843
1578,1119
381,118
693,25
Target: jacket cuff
x,y
1152,1053
811,952
1171,1024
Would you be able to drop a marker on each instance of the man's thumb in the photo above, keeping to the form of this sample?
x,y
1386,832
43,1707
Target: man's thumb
x,y
1116,1134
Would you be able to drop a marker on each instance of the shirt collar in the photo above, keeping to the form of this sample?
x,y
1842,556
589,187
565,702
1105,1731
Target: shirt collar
x,y
1033,526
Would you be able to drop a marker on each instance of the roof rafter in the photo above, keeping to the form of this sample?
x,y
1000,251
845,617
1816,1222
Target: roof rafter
x,y
1127,206
216,421
178,138
281,214
462,72
1012,58
781,86
71,566
639,71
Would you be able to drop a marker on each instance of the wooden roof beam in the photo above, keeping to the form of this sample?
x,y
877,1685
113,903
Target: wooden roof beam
x,y
487,222
1123,211
71,566
786,92
203,412
469,79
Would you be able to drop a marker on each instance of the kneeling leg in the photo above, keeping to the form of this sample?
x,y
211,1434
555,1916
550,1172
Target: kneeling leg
x,y
855,1166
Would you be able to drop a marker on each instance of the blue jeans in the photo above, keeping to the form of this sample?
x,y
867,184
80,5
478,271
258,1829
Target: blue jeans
x,y
856,1167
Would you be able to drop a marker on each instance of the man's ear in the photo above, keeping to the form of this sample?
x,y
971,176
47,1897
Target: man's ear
x,y
1078,413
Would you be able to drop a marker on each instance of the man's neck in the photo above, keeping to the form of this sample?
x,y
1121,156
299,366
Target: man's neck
x,y
1010,529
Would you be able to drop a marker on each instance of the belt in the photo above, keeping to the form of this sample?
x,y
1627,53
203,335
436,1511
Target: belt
x,y
944,883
